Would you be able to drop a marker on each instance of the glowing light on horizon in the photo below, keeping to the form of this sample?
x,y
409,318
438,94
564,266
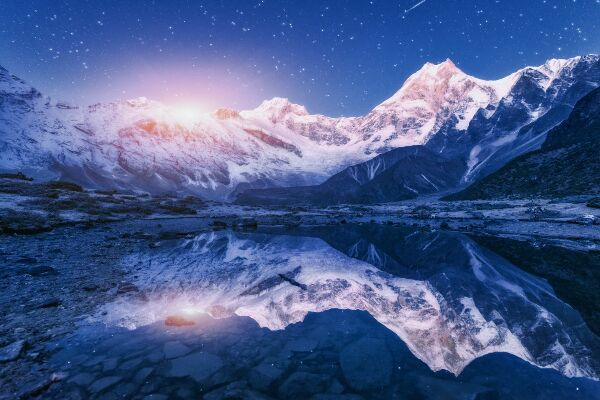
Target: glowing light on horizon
x,y
188,114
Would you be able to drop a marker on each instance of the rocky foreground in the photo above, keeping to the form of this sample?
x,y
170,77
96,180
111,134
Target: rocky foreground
x,y
28,207
61,245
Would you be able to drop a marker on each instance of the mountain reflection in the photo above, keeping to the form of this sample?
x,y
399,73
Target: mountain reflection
x,y
448,299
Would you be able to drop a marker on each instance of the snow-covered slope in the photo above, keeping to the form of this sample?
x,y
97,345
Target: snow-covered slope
x,y
474,305
145,145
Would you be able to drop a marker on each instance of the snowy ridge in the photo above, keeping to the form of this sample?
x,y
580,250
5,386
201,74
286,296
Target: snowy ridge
x,y
541,98
445,324
144,145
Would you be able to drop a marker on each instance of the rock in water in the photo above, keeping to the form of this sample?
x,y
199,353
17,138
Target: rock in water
x,y
175,349
366,364
199,366
302,385
263,375
178,320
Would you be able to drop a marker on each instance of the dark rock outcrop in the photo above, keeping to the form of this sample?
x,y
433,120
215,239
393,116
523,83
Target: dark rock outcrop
x,y
567,164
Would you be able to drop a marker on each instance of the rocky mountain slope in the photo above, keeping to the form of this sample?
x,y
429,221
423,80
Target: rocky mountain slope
x,y
568,163
144,145
538,100
399,174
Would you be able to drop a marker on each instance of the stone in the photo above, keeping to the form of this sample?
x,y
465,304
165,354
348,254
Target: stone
x,y
218,224
131,363
336,387
40,270
301,345
12,351
149,387
301,385
28,260
142,374
366,364
94,361
82,379
156,396
175,349
36,388
178,320
127,288
199,366
246,223
186,393
235,390
263,375
109,364
78,359
155,356
103,383
124,390
50,303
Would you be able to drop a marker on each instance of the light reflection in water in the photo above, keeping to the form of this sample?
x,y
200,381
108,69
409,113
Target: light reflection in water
x,y
469,303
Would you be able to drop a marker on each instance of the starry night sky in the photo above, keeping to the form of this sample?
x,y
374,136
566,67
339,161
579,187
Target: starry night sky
x,y
335,57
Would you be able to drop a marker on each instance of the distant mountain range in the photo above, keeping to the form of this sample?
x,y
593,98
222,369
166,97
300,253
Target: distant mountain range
x,y
470,126
402,173
568,163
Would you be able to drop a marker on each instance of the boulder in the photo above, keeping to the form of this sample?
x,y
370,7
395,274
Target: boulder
x,y
199,366
263,375
301,385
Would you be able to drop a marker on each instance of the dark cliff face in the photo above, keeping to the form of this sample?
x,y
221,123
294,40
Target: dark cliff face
x,y
568,162
582,126
400,174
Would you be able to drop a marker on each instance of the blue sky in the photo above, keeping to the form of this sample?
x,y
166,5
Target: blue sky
x,y
335,57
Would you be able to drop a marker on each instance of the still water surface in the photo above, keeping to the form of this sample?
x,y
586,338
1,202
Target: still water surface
x,y
341,312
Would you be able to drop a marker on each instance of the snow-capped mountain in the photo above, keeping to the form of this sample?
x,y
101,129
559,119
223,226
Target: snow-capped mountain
x,y
538,99
451,314
141,144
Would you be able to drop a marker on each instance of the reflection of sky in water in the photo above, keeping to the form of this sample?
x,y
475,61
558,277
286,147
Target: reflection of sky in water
x,y
464,303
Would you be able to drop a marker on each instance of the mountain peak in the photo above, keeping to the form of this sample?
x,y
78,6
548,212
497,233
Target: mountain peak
x,y
446,66
429,83
225,113
278,107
